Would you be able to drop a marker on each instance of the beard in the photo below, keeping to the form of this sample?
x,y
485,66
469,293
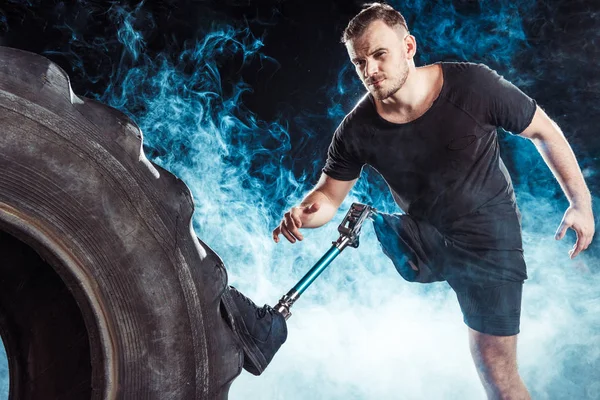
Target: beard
x,y
390,86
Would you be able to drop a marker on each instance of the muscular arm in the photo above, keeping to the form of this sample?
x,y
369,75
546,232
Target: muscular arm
x,y
556,152
317,208
329,193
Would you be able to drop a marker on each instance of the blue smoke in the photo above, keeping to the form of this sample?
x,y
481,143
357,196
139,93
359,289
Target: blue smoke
x,y
4,377
359,332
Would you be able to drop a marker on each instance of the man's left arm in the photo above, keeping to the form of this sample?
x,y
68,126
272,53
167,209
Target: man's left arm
x,y
554,148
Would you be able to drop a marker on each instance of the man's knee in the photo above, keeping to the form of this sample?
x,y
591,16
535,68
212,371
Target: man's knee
x,y
496,361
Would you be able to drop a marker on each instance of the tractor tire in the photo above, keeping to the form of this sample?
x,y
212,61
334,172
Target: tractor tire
x,y
105,291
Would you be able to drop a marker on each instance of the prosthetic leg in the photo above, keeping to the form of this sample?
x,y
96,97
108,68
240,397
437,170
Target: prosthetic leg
x,y
349,231
262,330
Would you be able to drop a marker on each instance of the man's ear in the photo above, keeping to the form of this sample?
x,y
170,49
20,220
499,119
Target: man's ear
x,y
410,44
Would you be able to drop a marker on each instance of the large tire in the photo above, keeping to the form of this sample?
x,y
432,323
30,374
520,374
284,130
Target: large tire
x,y
105,291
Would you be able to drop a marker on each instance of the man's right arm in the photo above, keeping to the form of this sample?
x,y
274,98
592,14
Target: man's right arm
x,y
317,208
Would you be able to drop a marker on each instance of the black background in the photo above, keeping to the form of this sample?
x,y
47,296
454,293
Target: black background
x,y
559,66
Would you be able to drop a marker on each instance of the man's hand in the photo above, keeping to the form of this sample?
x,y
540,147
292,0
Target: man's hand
x,y
293,220
581,220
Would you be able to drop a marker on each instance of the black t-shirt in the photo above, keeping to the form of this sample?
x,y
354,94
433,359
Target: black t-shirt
x,y
444,167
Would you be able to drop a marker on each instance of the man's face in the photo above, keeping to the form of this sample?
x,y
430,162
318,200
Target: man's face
x,y
379,56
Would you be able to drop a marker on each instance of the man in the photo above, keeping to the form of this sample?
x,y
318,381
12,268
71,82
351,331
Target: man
x,y
431,133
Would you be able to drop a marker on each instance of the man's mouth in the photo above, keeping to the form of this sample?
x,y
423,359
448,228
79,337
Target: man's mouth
x,y
376,83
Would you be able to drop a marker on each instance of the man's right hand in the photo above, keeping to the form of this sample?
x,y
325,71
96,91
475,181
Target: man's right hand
x,y
293,220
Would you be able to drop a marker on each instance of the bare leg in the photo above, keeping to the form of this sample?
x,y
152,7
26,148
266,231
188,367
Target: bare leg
x,y
496,361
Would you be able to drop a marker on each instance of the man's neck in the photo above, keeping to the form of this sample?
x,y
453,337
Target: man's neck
x,y
420,90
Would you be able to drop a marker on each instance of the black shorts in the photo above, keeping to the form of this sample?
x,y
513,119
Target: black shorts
x,y
494,309
488,282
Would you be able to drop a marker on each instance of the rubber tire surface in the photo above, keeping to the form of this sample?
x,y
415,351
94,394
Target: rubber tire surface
x,y
107,292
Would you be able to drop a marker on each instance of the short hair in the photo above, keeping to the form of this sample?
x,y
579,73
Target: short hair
x,y
373,12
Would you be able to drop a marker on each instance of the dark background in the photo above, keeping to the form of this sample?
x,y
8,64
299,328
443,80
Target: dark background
x,y
302,76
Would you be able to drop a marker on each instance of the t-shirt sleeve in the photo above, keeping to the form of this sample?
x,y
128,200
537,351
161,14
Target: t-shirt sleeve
x,y
505,105
342,163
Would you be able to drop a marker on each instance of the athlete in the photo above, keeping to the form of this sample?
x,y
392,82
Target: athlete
x,y
431,132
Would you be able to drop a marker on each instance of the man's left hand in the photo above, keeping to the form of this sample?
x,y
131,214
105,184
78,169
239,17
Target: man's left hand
x,y
581,220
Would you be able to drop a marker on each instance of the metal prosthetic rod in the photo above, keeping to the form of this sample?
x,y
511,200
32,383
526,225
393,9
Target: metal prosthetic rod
x,y
349,231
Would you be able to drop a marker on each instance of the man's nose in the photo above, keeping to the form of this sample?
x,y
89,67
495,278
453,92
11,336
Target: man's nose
x,y
370,68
